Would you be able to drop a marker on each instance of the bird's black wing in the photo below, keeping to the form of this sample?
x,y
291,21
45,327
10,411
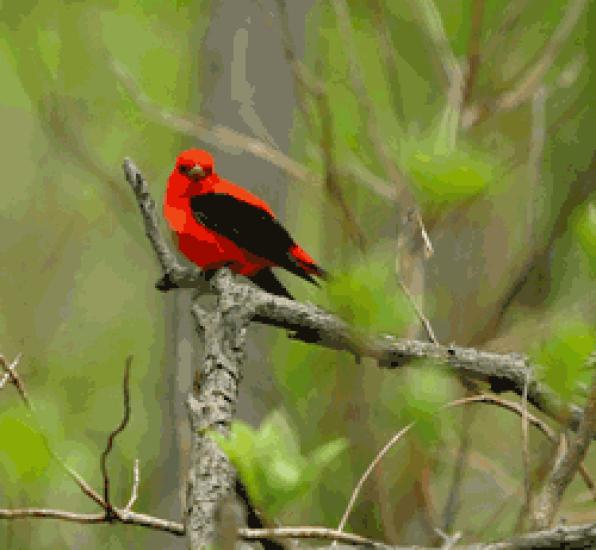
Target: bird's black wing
x,y
250,227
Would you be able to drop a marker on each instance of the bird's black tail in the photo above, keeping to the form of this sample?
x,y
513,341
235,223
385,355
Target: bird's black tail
x,y
266,280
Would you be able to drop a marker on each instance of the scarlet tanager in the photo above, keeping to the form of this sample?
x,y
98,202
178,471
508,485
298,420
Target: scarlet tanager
x,y
218,223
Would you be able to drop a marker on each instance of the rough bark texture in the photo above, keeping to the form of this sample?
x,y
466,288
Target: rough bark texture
x,y
212,406
549,498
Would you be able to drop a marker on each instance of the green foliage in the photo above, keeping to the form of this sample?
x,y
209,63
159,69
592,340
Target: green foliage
x,y
366,294
424,391
271,464
585,232
564,357
444,177
23,453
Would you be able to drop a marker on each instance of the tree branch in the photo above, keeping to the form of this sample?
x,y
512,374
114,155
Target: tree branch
x,y
532,79
549,498
211,476
504,372
103,462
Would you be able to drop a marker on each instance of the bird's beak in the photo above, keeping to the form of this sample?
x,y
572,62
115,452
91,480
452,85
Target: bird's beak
x,y
197,170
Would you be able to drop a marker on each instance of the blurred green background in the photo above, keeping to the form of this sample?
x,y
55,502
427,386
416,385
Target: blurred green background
x,y
500,160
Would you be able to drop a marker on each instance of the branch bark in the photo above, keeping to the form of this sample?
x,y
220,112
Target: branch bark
x,y
504,372
548,500
211,476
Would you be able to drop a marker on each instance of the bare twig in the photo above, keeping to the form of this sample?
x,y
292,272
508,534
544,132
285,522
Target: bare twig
x,y
322,533
431,18
12,375
549,498
578,536
110,513
49,513
473,49
527,84
119,429
511,16
217,135
389,53
483,398
452,501
367,472
20,386
332,185
134,493
119,515
312,85
420,314
527,507
369,112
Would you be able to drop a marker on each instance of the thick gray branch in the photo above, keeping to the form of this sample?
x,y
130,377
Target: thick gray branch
x,y
211,476
505,372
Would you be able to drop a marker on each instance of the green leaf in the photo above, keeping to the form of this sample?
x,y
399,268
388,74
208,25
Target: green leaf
x,y
23,453
425,391
323,456
270,462
367,296
585,230
445,177
563,358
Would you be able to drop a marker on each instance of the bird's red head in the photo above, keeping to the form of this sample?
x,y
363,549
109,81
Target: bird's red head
x,y
193,169
195,164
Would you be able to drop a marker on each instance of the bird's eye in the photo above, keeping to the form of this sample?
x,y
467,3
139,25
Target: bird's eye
x,y
183,169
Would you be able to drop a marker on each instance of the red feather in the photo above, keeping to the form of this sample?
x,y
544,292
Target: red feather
x,y
218,223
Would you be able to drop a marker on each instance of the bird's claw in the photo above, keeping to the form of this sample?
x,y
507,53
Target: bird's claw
x,y
165,283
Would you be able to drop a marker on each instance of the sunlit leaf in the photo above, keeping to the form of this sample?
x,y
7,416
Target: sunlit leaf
x,y
563,358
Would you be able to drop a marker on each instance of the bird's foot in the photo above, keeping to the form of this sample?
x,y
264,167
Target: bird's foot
x,y
208,274
165,283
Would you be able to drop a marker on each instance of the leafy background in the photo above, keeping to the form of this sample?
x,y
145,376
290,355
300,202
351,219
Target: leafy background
x,y
513,269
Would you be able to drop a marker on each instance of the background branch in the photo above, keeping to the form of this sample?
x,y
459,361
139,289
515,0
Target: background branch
x,y
549,498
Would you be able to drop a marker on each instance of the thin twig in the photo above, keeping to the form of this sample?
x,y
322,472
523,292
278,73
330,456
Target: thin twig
x,y
526,451
134,493
483,398
352,227
452,501
312,85
73,474
431,18
369,112
119,515
217,135
511,16
527,84
420,314
11,373
119,429
473,49
323,533
111,513
389,54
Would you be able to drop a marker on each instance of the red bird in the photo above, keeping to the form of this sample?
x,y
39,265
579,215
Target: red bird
x,y
217,223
